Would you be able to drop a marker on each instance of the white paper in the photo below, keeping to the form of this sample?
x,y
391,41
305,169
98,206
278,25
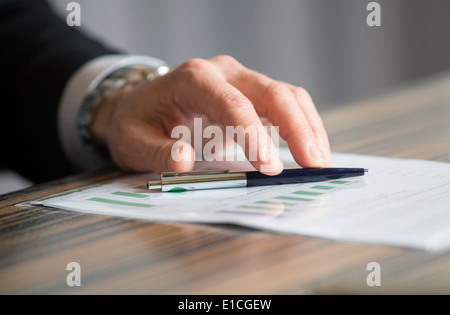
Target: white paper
x,y
400,202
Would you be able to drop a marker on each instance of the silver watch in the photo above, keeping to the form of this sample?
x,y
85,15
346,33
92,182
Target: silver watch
x,y
115,81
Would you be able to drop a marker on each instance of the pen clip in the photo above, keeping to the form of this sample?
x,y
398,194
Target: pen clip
x,y
199,173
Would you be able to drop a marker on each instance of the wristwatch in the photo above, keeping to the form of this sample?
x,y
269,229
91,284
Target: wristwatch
x,y
117,80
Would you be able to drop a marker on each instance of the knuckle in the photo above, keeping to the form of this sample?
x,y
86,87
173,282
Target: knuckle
x,y
302,92
277,89
190,71
195,64
317,122
237,101
304,129
226,60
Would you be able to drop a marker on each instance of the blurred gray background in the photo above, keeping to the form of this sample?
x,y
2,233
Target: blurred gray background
x,y
322,45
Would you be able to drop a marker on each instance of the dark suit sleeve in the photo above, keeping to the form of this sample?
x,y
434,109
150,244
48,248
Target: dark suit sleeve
x,y
39,52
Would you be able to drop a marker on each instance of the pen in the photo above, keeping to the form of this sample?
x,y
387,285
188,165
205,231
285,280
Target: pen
x,y
211,179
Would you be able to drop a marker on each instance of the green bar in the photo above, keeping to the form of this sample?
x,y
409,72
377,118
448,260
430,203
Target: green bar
x,y
323,187
121,203
141,187
127,194
311,193
339,181
259,208
178,189
276,203
293,198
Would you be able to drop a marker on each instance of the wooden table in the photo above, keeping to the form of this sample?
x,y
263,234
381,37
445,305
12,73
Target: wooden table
x,y
124,256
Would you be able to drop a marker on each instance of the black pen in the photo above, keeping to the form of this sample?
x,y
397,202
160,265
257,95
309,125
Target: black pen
x,y
211,179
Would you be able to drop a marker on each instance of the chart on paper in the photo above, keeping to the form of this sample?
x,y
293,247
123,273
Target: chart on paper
x,y
401,202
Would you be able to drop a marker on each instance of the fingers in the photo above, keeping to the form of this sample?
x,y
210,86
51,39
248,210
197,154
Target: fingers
x,y
291,108
228,94
306,103
138,146
199,86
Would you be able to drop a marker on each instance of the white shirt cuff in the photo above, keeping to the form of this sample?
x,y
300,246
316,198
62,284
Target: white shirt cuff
x,y
83,82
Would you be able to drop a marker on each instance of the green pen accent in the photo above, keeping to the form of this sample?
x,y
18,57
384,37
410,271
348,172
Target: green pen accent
x,y
310,193
293,198
339,181
177,189
121,203
127,194
323,187
141,187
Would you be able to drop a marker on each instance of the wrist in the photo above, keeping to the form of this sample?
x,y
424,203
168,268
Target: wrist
x,y
80,84
94,115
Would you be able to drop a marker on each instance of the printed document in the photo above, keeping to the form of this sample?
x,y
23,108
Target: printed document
x,y
400,202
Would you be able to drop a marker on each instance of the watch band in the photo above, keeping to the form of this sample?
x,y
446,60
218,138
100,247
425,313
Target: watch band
x,y
117,80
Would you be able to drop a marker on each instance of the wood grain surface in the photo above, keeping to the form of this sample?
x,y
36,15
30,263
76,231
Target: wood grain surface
x,y
124,256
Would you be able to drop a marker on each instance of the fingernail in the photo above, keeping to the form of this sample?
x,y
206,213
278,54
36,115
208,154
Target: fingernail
x,y
316,155
175,156
171,161
327,157
267,156
273,168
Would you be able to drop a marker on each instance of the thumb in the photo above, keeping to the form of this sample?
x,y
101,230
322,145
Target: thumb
x,y
182,157
145,148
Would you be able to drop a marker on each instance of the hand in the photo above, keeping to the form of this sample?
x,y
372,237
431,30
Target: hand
x,y
136,124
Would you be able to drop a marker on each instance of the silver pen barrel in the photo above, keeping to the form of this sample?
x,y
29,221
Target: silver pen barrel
x,y
174,182
194,182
